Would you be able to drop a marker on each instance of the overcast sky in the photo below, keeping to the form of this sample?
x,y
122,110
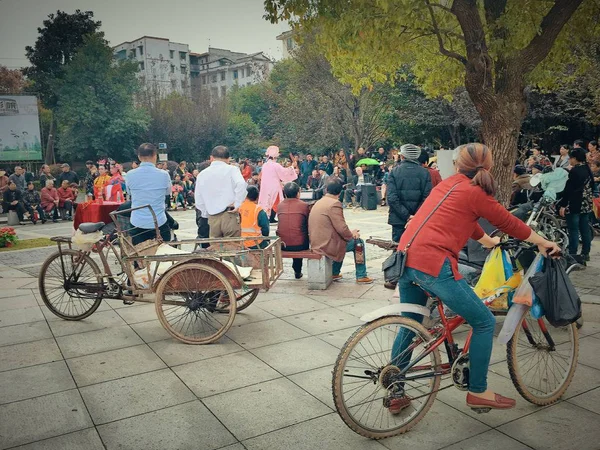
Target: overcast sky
x,y
236,25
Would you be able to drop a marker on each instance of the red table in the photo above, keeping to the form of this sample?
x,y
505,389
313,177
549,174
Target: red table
x,y
94,212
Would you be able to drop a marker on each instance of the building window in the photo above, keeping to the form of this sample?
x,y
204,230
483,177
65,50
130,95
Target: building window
x,y
142,65
214,92
172,53
203,79
223,91
222,76
248,71
182,69
235,74
172,68
289,43
182,55
141,50
213,78
132,53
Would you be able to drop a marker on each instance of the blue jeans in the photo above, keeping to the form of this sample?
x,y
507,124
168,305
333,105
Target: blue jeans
x,y
361,269
459,297
579,224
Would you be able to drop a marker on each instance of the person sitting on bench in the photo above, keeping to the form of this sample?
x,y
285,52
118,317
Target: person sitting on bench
x,y
292,228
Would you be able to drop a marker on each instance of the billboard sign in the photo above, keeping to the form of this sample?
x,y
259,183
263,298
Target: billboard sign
x,y
19,128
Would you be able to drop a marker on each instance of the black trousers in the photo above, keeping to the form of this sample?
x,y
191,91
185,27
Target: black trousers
x,y
139,235
39,210
19,208
397,232
296,262
203,227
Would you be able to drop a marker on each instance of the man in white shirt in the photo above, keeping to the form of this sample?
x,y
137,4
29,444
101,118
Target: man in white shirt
x,y
220,190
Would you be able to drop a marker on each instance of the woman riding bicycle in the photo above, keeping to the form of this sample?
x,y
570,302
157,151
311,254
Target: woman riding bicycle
x,y
431,262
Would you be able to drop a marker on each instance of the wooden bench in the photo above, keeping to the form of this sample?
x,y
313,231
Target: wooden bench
x,y
319,268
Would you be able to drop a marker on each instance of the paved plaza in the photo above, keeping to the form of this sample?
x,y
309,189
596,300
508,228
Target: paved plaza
x,y
118,381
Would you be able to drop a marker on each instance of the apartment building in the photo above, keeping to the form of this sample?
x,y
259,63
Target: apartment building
x,y
218,70
288,43
164,66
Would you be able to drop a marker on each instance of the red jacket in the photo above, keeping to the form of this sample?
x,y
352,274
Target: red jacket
x,y
436,178
292,214
64,195
455,221
47,197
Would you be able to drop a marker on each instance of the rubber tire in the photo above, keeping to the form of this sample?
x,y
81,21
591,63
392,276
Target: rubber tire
x,y
42,290
160,295
339,367
511,348
248,300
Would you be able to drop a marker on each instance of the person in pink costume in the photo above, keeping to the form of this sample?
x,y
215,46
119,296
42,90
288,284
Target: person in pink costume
x,y
272,176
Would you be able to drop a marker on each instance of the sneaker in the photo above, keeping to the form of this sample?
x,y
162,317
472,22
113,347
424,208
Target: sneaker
x,y
337,277
364,280
398,404
585,257
298,275
44,221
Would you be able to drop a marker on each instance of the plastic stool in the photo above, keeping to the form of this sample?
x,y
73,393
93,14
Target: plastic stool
x,y
13,218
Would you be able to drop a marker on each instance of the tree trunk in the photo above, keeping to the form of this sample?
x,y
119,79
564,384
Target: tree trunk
x,y
500,132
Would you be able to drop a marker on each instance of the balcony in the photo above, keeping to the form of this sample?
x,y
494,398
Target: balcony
x,y
194,67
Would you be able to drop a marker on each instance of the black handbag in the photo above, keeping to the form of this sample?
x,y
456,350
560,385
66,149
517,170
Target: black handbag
x,y
393,266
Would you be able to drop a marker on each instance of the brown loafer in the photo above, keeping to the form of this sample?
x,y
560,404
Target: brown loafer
x,y
499,402
398,404
364,280
336,277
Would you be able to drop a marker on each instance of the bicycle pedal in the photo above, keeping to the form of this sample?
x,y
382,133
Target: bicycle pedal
x,y
481,410
128,302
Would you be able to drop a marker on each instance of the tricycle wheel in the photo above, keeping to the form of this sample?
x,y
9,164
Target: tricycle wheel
x,y
245,297
187,298
70,284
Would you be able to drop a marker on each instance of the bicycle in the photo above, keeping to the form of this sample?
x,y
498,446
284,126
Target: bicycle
x,y
541,364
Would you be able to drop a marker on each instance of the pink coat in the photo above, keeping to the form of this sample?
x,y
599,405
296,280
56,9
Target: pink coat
x,y
271,177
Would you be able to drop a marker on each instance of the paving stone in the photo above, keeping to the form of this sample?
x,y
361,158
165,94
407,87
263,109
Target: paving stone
x,y
224,373
268,332
142,313
187,426
339,337
298,356
42,417
97,321
27,332
250,315
174,352
9,291
291,304
564,426
589,352
588,400
34,381
84,439
114,364
91,342
134,395
441,426
151,331
317,382
25,300
28,354
368,305
318,322
19,316
490,440
327,432
265,407
590,298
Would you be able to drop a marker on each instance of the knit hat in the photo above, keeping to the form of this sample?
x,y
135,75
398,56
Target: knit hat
x,y
410,151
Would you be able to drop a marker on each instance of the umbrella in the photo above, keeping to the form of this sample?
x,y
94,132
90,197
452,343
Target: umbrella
x,y
367,162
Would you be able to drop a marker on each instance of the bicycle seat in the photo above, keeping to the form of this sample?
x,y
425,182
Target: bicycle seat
x,y
91,227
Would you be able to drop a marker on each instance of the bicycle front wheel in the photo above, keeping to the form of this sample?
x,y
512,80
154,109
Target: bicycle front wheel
x,y
542,359
366,378
70,284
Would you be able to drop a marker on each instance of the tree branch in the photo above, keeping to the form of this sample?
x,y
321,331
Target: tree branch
x,y
436,29
551,26
493,10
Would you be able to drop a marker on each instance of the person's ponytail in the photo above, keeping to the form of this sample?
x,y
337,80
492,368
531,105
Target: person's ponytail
x,y
475,161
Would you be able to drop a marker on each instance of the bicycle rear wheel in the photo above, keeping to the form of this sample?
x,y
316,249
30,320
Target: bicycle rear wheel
x,y
58,290
542,359
365,378
188,299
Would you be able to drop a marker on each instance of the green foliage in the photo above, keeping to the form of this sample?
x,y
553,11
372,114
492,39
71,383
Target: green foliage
x,y
57,42
243,136
95,111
